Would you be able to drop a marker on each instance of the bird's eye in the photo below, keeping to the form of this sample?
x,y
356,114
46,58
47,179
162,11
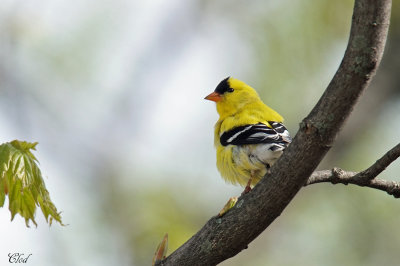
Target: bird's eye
x,y
230,90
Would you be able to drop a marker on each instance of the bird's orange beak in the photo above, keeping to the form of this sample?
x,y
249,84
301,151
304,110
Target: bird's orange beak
x,y
214,96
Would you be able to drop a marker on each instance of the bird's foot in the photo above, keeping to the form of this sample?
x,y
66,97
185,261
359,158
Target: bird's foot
x,y
229,205
248,186
246,190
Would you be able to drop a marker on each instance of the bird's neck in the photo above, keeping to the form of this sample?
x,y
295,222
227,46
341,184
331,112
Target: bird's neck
x,y
224,110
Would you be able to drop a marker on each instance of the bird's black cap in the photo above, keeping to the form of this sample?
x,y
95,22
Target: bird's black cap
x,y
223,86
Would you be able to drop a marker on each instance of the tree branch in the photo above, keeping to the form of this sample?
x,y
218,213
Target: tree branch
x,y
366,178
224,237
339,176
380,164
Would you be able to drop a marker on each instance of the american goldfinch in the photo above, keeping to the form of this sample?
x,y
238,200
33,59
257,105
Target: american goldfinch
x,y
249,136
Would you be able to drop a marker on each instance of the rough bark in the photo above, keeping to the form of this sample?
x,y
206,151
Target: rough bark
x,y
222,238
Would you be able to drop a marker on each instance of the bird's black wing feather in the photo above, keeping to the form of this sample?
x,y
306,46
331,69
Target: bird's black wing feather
x,y
256,134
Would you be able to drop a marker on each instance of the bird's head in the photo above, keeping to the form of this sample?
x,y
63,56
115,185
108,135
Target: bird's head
x,y
232,95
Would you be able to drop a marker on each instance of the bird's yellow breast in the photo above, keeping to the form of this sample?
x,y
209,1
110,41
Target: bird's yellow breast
x,y
235,163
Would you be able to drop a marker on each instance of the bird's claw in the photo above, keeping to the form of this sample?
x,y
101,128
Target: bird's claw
x,y
246,190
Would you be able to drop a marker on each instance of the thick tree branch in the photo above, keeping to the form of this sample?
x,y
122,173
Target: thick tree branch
x,y
224,237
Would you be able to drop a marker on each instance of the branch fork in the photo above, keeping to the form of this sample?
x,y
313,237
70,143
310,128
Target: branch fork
x,y
366,178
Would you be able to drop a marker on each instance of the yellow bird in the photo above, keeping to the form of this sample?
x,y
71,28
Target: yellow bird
x,y
249,136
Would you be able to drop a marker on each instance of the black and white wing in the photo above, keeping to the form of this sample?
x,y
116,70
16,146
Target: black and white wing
x,y
277,135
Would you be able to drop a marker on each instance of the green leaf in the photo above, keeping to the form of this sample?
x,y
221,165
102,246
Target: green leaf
x,y
22,181
2,192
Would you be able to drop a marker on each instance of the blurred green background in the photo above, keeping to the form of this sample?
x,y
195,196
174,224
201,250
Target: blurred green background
x,y
113,92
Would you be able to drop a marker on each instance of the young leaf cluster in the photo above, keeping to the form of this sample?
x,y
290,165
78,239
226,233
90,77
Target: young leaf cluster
x,y
21,180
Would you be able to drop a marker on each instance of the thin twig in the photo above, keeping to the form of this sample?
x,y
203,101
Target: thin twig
x,y
339,176
366,178
381,164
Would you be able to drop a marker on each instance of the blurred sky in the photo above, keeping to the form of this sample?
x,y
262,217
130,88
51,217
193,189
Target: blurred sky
x,y
113,92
